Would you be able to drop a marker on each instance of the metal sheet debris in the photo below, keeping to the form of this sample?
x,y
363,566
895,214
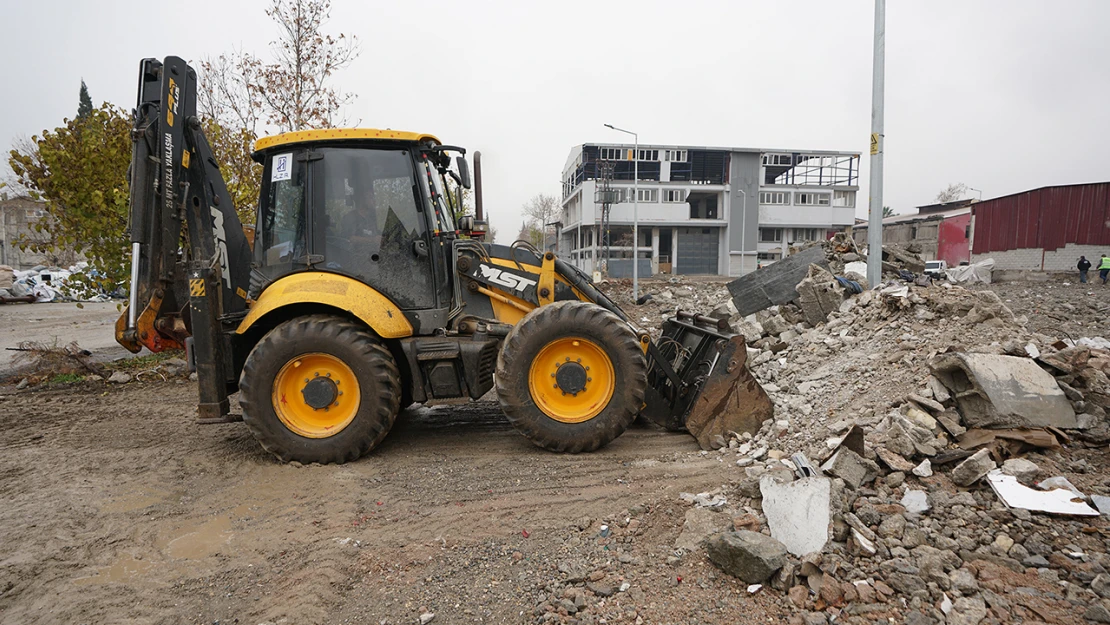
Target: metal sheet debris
x,y
1056,501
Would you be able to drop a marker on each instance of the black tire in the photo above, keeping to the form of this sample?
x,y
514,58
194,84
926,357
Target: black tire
x,y
373,367
561,320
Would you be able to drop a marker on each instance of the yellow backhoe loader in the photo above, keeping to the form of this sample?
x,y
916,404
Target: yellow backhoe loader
x,y
356,294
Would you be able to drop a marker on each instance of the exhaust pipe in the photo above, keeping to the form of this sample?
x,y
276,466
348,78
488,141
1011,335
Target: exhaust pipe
x,y
478,213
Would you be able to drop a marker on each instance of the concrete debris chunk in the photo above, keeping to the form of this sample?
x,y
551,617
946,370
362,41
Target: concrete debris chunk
x,y
1003,391
925,469
915,502
1020,468
850,467
798,512
940,392
819,294
750,556
866,545
931,405
1055,501
893,460
972,469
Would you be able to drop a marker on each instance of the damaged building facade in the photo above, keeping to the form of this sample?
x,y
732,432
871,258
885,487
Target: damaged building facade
x,y
702,210
940,231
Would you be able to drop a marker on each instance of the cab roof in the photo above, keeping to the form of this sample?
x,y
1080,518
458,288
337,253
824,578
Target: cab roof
x,y
332,134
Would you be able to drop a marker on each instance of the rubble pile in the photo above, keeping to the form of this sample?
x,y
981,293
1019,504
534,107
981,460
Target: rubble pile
x,y
926,462
47,284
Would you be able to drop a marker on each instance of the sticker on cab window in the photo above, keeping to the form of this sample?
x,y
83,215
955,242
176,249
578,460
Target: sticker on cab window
x,y
282,168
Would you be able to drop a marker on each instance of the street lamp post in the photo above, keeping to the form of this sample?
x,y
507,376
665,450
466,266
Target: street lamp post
x,y
635,210
977,191
743,224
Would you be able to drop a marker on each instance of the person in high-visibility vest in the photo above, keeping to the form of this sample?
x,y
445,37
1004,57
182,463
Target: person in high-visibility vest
x,y
1104,268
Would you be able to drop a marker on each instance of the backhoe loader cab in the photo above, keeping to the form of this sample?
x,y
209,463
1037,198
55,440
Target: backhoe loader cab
x,y
362,296
366,204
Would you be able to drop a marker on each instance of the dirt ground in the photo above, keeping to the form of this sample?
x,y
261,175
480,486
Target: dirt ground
x,y
119,509
92,326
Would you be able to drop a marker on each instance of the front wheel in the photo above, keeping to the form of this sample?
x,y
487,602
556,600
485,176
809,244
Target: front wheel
x,y
571,376
319,389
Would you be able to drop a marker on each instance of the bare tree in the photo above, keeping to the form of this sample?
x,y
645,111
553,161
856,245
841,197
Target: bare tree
x,y
292,92
540,211
952,193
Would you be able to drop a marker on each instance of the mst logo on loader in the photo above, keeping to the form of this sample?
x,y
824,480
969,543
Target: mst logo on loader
x,y
505,279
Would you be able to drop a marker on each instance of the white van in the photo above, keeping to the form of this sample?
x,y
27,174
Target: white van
x,y
936,268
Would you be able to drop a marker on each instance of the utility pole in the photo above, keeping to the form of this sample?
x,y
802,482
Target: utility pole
x,y
875,216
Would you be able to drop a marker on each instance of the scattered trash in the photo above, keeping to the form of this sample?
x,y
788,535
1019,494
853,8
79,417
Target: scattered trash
x,y
1056,501
704,500
977,272
752,588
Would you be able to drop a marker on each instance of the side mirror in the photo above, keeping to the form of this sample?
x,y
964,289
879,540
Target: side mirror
x,y
464,170
466,223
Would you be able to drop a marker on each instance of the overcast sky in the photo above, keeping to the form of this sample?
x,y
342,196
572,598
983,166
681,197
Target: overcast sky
x,y
1003,95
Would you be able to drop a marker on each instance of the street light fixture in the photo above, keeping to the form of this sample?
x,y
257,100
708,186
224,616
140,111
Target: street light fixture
x,y
977,191
635,210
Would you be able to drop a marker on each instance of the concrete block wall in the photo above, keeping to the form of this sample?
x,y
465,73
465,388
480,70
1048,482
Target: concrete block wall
x,y
1063,259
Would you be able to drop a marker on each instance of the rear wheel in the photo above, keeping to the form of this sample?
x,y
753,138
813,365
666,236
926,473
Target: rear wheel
x,y
319,389
571,376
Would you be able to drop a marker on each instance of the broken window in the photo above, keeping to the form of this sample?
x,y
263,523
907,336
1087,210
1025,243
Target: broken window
x,y
845,199
803,198
811,169
770,235
778,159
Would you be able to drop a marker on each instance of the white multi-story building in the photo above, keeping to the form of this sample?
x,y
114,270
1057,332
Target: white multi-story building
x,y
702,210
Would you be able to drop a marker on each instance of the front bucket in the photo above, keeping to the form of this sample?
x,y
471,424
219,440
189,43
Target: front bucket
x,y
699,381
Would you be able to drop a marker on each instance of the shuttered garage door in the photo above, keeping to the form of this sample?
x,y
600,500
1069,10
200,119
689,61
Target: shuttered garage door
x,y
697,251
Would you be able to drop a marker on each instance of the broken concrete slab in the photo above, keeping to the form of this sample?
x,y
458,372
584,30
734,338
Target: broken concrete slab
x,y
819,294
749,556
1055,501
774,284
970,470
798,512
850,467
1003,391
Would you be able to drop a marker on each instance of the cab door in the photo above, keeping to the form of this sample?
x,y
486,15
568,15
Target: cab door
x,y
368,222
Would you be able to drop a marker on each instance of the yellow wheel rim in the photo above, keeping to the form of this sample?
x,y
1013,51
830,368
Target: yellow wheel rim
x,y
316,395
571,380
